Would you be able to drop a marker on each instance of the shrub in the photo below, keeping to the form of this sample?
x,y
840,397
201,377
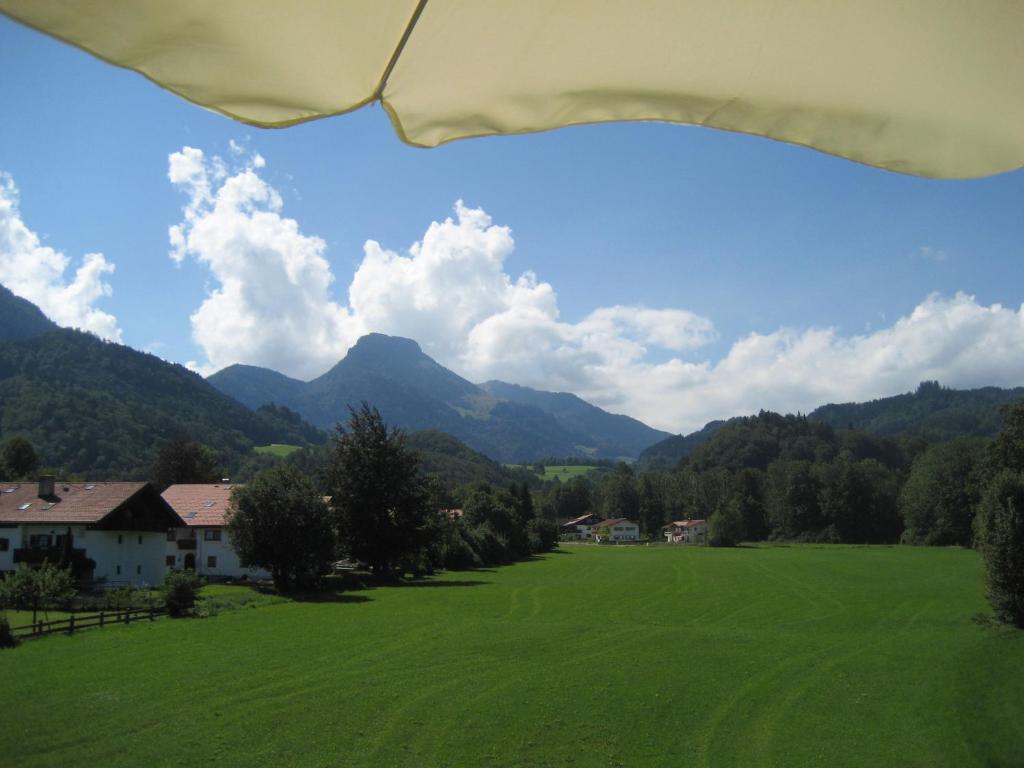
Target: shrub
x,y
725,528
457,548
179,590
542,535
7,640
1000,536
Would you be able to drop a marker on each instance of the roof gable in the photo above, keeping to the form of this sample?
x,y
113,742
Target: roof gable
x,y
113,506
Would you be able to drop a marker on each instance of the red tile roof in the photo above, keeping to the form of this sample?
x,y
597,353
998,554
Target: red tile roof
x,y
204,504
71,502
685,523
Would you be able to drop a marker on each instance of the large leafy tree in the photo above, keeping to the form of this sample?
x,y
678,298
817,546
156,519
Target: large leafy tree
x,y
1007,450
1001,540
652,508
619,496
379,496
1000,524
18,459
184,461
280,522
938,500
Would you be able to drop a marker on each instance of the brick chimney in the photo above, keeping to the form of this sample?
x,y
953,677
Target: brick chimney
x,y
46,486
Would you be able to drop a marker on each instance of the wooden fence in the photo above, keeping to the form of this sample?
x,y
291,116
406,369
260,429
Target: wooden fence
x,y
75,622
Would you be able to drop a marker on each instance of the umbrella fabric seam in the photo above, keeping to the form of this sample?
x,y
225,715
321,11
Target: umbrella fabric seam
x,y
378,93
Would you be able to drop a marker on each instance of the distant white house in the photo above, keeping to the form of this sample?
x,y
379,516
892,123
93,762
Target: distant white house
x,y
111,534
202,543
582,528
686,532
615,530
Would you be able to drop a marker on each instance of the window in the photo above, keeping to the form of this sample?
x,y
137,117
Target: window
x,y
120,540
140,539
211,561
138,570
172,535
211,534
169,561
39,541
117,570
4,544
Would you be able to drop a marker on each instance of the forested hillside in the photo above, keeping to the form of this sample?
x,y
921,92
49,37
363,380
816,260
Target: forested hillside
x,y
933,412
21,319
103,409
670,450
454,463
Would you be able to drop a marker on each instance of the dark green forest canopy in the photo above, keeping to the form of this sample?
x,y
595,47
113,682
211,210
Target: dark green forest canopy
x,y
21,319
932,413
102,409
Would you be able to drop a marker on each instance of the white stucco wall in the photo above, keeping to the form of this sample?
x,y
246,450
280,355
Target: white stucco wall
x,y
13,536
624,533
139,554
227,561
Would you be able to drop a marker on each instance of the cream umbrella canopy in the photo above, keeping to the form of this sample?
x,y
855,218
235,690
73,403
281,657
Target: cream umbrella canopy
x,y
928,87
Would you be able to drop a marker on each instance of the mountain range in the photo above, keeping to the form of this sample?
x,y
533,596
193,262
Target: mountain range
x,y
412,391
103,409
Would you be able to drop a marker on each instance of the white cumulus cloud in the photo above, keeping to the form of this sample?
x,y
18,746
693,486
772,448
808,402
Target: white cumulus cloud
x,y
38,273
272,306
954,340
451,292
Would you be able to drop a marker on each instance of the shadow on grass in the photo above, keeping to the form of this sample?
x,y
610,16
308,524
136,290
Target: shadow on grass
x,y
444,583
329,597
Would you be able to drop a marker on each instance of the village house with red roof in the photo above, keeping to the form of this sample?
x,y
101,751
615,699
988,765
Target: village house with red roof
x,y
615,530
110,534
582,528
686,532
202,542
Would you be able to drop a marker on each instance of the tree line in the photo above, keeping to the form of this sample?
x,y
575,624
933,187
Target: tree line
x,y
374,505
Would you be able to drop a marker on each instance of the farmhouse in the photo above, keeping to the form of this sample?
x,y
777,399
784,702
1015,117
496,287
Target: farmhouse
x,y
686,532
202,542
582,528
616,529
112,534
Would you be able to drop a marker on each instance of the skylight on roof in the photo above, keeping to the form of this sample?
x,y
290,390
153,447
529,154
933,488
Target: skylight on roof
x,y
25,506
89,487
190,515
49,505
10,490
207,504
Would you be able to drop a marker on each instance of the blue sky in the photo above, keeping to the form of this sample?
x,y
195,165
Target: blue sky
x,y
785,278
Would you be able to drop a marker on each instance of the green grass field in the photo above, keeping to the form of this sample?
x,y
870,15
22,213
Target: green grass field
x,y
563,473
277,449
598,656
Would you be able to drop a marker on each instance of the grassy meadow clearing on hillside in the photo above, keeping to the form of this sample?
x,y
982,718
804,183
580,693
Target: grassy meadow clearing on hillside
x,y
562,472
276,449
594,656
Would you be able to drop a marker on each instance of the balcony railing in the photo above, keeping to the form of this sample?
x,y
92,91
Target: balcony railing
x,y
186,543
76,559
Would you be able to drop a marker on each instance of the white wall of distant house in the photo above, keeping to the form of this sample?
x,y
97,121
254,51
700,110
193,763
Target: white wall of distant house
x,y
123,558
13,538
624,532
225,565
